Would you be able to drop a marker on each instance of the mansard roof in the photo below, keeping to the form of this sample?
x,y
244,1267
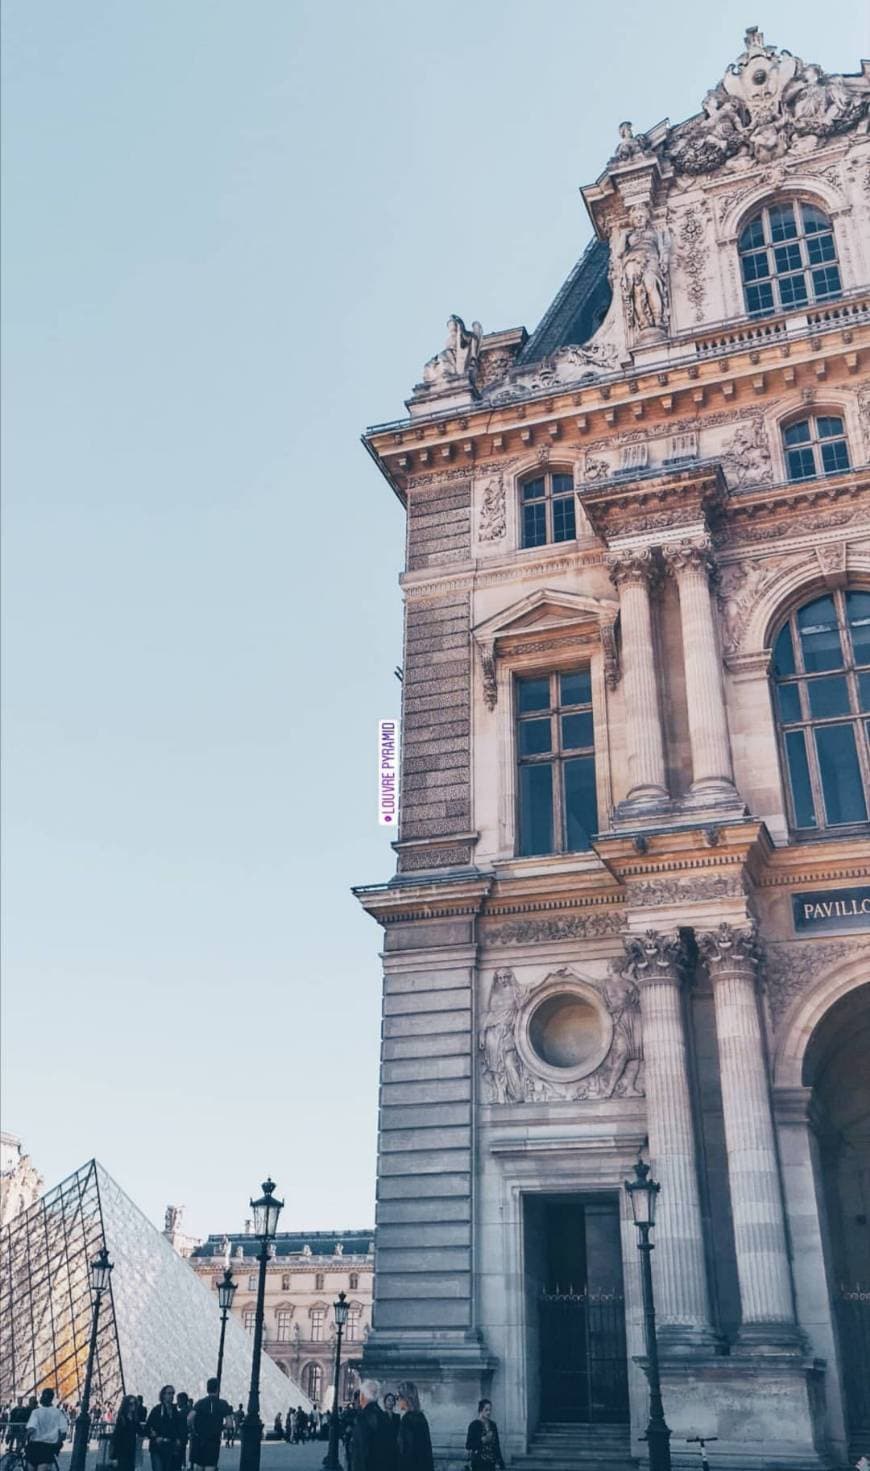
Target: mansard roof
x,y
291,1243
577,310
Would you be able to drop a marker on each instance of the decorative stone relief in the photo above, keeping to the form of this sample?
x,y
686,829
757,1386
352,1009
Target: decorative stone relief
x,y
578,927
595,468
693,258
642,892
630,145
832,562
746,455
633,566
729,945
513,1074
567,365
640,257
792,969
458,358
492,525
653,953
864,417
767,102
741,585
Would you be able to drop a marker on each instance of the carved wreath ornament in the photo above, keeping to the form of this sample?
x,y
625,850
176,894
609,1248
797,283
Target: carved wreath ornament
x,y
561,1039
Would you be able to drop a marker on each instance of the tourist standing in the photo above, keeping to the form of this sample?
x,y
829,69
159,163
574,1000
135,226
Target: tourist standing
x,y
394,1420
164,1432
18,1418
207,1420
46,1431
482,1441
415,1442
126,1435
371,1441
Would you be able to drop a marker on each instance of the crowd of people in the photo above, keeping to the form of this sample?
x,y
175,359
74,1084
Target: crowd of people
x,y
389,1433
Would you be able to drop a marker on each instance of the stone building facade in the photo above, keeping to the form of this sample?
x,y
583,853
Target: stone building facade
x,y
303,1279
20,1182
631,913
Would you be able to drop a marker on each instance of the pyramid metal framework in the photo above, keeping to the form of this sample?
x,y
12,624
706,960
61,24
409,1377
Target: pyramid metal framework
x,y
158,1323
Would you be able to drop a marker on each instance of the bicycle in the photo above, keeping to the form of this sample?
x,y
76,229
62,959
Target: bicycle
x,y
15,1460
701,1441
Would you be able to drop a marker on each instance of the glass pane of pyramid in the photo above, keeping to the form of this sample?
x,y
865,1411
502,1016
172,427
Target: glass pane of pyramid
x,y
158,1324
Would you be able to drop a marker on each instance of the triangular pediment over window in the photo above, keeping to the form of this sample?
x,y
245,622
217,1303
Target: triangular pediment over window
x,y
546,614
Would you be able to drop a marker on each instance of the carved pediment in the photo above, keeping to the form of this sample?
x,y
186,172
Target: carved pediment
x,y
535,623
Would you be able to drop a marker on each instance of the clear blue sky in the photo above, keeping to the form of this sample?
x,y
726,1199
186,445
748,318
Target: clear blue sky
x,y
232,235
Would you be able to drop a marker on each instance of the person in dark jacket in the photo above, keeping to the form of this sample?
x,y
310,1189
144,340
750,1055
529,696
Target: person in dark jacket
x,y
372,1445
393,1420
207,1420
482,1441
415,1442
126,1434
165,1433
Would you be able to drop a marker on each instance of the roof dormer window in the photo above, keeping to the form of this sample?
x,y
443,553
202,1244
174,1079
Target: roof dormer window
x,y
788,258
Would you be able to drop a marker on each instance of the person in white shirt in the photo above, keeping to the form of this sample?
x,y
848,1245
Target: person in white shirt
x,y
46,1431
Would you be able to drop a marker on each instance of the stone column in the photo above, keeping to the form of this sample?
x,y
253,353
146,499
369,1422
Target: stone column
x,y
655,963
712,769
753,1170
633,573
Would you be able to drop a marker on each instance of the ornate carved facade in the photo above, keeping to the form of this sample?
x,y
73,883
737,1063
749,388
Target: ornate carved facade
x,y
303,1279
632,903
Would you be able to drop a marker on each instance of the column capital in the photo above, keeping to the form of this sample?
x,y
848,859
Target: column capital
x,y
654,956
680,556
730,947
633,566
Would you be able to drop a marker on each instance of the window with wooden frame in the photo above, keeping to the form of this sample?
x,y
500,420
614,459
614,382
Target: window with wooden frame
x,y
557,802
547,512
815,445
821,677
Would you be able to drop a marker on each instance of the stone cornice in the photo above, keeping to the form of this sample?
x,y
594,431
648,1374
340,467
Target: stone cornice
x,y
424,899
740,362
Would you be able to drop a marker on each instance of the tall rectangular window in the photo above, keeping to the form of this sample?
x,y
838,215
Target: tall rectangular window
x,y
558,810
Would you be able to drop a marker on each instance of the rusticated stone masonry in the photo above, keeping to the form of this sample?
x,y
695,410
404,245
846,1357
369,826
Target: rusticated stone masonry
x,y
436,773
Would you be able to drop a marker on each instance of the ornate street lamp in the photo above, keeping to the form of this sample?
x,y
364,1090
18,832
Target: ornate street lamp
x,y
642,1192
266,1212
226,1292
100,1273
330,1460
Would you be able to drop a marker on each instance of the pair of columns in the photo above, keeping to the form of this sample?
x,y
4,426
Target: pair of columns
x,y
656,963
635,573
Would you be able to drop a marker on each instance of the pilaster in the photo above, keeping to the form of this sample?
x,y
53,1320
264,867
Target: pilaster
x,y
634,573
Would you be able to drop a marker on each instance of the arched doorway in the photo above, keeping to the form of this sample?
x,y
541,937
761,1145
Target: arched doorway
x,y
837,1068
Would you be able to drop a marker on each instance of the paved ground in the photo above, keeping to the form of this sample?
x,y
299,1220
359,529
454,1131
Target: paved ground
x,y
274,1456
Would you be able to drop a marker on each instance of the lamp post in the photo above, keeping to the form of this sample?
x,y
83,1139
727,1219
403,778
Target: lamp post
x,y
330,1460
100,1272
642,1192
226,1292
266,1212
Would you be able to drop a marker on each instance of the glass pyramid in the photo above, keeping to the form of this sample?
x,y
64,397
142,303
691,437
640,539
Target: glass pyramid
x,y
158,1323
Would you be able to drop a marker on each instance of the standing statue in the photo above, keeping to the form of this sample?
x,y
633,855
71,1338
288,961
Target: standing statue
x,y
497,1040
631,144
621,1076
458,358
643,266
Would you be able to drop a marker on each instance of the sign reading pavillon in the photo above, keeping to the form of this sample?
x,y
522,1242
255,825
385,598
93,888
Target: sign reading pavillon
x,y
832,909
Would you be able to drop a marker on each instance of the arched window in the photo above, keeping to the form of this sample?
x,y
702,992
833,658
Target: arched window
x,y
815,445
821,673
788,258
312,1382
547,509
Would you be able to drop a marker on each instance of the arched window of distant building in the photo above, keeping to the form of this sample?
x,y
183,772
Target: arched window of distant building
x,y
815,444
285,1281
547,509
283,1324
312,1382
353,1281
788,258
821,675
252,1282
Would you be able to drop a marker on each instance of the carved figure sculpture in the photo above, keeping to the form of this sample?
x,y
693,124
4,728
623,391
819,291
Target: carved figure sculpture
x,y
497,1040
458,358
629,145
746,455
493,525
620,1077
643,264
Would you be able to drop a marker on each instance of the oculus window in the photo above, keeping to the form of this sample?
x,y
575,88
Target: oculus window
x,y
821,675
814,446
788,258
547,509
556,755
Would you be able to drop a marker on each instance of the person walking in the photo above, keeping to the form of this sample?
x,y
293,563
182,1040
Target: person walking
x,y
207,1420
184,1405
371,1446
482,1441
46,1431
126,1435
163,1431
16,1435
415,1442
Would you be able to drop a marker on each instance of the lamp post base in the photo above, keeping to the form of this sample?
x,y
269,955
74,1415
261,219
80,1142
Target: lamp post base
x,y
658,1438
250,1441
81,1438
